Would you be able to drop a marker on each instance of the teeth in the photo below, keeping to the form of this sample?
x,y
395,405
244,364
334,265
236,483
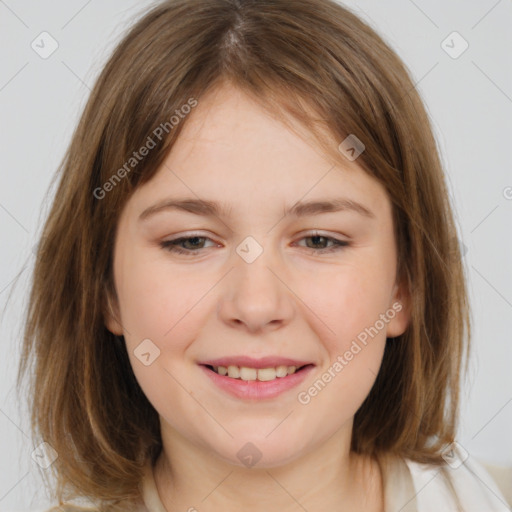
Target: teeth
x,y
233,372
247,373
262,374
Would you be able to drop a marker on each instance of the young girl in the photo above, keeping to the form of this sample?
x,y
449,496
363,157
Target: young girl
x,y
249,293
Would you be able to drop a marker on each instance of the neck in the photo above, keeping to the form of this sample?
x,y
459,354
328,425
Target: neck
x,y
192,478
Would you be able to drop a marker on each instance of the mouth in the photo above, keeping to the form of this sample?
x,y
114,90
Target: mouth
x,y
256,384
259,374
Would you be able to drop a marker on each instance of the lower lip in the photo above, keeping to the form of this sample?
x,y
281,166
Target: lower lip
x,y
255,389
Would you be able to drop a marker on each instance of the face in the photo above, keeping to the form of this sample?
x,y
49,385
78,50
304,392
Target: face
x,y
315,286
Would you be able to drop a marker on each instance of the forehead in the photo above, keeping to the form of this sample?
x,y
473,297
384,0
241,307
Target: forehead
x,y
231,150
229,123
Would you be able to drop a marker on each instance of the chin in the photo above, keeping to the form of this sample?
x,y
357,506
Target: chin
x,y
261,454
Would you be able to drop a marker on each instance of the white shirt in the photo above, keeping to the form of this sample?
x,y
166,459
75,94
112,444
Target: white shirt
x,y
414,487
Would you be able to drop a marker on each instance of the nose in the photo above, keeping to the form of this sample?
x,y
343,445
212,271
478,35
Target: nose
x,y
255,296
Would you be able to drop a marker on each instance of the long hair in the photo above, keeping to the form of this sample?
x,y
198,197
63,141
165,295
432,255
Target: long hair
x,y
309,60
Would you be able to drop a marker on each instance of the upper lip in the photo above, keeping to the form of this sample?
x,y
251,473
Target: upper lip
x,y
250,362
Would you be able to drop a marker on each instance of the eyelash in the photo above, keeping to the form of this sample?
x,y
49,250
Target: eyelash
x,y
172,245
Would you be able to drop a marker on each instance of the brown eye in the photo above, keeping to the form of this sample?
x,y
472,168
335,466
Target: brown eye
x,y
322,240
184,245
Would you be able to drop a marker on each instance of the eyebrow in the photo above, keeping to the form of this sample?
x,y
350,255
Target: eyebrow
x,y
299,209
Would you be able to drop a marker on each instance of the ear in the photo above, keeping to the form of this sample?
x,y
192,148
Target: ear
x,y
400,306
112,317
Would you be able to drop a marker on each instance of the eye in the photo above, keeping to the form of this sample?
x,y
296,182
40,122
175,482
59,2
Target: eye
x,y
175,245
319,239
192,245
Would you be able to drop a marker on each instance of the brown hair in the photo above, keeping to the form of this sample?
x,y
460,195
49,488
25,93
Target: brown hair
x,y
85,401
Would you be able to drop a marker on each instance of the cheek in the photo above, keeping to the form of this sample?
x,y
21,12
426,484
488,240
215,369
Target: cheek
x,y
161,304
350,301
354,341
158,301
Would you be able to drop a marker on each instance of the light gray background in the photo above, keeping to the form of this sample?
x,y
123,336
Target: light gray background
x,y
470,102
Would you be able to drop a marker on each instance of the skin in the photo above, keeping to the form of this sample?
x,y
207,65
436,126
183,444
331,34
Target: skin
x,y
291,301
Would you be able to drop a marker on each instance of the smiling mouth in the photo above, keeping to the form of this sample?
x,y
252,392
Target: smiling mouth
x,y
253,374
